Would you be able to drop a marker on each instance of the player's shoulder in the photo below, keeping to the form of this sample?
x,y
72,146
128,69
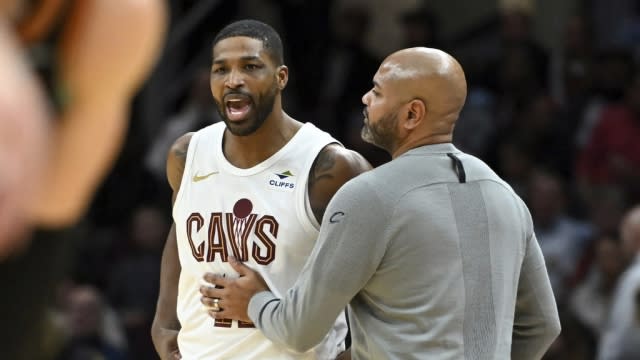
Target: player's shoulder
x,y
180,147
333,167
340,162
176,160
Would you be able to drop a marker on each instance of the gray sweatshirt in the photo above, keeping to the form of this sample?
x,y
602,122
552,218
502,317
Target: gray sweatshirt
x,y
437,259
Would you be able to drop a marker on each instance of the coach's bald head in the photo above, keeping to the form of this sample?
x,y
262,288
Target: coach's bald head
x,y
417,97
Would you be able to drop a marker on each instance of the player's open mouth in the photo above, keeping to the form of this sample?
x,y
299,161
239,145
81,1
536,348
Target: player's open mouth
x,y
237,108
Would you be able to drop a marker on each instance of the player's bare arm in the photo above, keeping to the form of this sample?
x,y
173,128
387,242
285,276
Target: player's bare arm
x,y
164,330
334,166
176,161
107,50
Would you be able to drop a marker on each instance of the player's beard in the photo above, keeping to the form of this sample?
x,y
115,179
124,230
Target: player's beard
x,y
382,132
262,108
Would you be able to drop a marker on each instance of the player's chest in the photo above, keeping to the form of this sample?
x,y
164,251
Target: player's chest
x,y
246,225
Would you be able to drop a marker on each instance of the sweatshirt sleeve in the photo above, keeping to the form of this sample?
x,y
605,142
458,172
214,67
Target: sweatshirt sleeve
x,y
350,246
536,323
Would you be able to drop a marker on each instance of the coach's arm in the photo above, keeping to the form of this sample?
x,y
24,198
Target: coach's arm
x,y
346,256
536,323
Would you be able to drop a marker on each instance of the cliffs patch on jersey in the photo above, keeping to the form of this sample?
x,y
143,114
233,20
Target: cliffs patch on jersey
x,y
222,234
282,181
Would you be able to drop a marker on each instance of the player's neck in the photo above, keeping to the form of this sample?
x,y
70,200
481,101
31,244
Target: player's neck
x,y
248,151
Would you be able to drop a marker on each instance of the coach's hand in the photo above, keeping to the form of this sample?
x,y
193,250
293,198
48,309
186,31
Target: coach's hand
x,y
229,298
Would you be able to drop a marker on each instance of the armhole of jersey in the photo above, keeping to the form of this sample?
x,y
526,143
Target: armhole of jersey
x,y
304,209
184,182
308,211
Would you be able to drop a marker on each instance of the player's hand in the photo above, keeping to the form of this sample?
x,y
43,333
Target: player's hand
x,y
176,355
169,348
173,350
232,295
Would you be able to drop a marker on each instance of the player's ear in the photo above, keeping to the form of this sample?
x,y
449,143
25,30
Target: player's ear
x,y
282,75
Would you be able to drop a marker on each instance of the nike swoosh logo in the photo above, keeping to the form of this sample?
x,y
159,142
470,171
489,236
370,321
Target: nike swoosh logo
x,y
197,177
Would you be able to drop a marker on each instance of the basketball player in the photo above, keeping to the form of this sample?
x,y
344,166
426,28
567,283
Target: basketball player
x,y
434,253
255,187
61,147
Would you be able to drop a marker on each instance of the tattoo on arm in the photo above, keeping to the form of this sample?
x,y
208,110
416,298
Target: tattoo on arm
x,y
321,170
181,155
180,152
322,166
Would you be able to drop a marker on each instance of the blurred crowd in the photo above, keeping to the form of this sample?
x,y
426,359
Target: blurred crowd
x,y
561,125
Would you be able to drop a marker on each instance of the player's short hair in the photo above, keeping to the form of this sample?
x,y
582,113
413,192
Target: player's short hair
x,y
256,30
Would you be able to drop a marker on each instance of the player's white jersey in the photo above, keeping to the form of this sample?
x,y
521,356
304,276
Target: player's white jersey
x,y
260,215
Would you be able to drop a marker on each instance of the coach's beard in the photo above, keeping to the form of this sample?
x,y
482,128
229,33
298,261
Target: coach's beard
x,y
382,133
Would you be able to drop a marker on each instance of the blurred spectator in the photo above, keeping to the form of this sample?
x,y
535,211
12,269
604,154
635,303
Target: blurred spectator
x,y
603,210
629,32
421,27
198,112
573,80
516,82
621,339
134,285
612,155
24,139
101,52
91,328
562,238
577,60
476,128
521,67
347,70
612,71
606,206
543,132
93,260
514,164
575,342
616,22
308,31
591,299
